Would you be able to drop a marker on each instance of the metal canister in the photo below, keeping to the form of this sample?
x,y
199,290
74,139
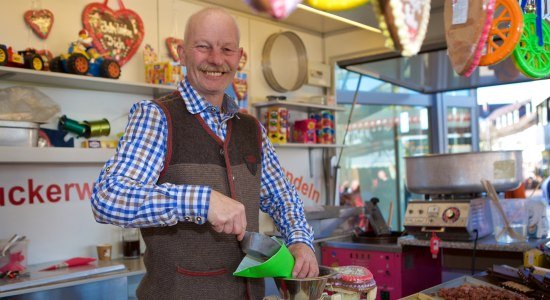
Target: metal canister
x,y
98,128
72,126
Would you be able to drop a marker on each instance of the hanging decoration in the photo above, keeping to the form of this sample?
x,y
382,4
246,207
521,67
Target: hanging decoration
x,y
506,28
116,34
243,61
467,25
336,5
278,9
240,86
172,44
238,90
40,21
532,53
404,23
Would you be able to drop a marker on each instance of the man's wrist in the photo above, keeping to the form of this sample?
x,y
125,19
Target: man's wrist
x,y
298,237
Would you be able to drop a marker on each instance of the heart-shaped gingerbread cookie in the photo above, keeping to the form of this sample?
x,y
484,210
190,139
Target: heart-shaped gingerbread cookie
x,y
241,87
243,61
116,34
172,44
40,21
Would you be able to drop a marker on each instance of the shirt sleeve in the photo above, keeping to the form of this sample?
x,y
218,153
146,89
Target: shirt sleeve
x,y
126,193
280,200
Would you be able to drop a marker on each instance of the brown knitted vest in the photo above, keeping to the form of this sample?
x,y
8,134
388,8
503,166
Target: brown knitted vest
x,y
191,261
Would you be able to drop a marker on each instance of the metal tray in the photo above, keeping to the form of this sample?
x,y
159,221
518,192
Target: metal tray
x,y
431,293
461,172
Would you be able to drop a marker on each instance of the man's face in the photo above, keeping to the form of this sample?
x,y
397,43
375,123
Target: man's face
x,y
211,54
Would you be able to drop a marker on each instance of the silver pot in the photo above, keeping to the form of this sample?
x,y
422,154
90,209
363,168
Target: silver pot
x,y
461,172
306,288
19,133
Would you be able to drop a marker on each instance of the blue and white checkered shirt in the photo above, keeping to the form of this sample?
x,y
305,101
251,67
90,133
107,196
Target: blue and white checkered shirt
x,y
127,194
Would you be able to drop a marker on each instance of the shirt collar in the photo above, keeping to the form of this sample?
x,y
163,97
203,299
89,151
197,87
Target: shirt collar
x,y
195,103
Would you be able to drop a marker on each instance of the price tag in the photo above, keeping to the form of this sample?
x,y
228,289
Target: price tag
x,y
434,245
460,11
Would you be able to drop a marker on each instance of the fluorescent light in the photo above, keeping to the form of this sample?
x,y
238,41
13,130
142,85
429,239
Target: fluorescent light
x,y
338,18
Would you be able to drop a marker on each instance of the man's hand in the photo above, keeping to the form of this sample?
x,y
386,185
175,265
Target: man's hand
x,y
305,263
226,215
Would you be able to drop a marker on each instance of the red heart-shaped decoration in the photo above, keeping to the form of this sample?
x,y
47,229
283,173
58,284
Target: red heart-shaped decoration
x,y
40,21
172,44
243,61
115,34
240,86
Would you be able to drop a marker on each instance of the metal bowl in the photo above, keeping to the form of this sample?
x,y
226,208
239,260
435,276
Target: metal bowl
x,y
461,172
306,288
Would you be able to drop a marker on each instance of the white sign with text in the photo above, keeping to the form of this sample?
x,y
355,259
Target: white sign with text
x,y
49,204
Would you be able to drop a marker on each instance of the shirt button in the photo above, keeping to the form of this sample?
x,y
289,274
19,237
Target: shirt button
x,y
199,219
213,109
187,218
108,169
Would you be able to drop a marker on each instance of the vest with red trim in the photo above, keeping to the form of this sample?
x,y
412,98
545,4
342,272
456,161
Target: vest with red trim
x,y
191,261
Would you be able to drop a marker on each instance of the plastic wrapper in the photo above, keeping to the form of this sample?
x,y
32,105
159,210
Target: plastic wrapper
x,y
20,103
537,227
353,278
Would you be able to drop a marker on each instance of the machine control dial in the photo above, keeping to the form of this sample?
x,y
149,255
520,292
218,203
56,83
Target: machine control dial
x,y
451,215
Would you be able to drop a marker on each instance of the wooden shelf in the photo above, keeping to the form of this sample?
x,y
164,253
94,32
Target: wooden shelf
x,y
300,145
298,105
12,155
82,82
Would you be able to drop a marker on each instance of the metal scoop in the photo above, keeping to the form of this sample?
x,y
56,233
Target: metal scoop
x,y
259,245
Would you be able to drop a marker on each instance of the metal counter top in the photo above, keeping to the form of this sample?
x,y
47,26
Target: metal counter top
x,y
487,243
37,280
349,244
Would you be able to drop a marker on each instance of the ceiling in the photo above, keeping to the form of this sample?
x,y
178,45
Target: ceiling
x,y
304,17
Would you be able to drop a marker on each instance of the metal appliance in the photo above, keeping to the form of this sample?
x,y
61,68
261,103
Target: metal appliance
x,y
377,230
454,206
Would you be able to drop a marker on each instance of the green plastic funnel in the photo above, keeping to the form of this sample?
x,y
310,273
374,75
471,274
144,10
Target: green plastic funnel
x,y
278,265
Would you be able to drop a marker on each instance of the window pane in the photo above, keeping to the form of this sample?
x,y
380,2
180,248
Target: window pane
x,y
459,129
379,137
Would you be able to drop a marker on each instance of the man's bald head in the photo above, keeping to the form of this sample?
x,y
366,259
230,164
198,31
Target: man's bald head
x,y
211,53
209,17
